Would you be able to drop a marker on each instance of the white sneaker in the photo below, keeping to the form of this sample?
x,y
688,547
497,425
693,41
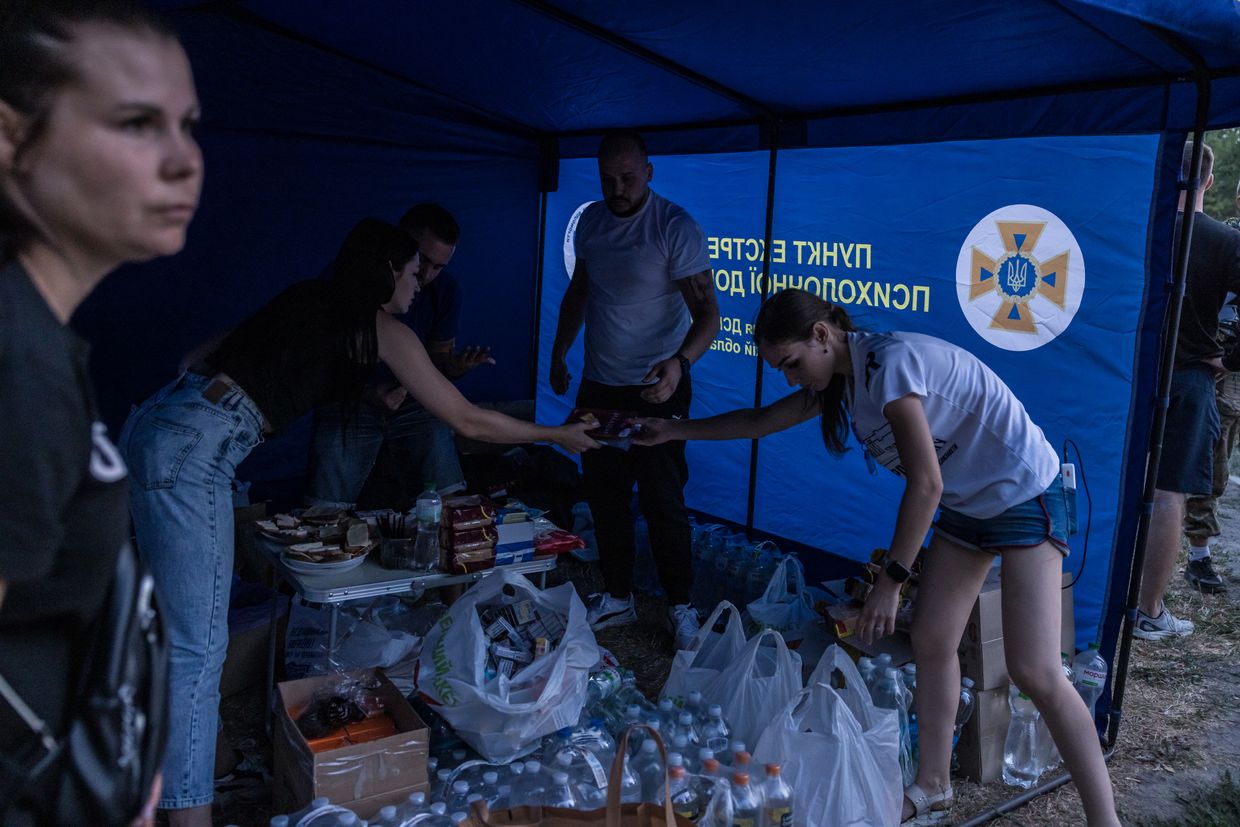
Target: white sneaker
x,y
682,622
604,611
1164,626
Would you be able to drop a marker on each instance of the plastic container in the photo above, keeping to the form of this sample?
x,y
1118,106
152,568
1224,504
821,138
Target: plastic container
x,y
1022,760
776,798
429,511
1089,675
746,808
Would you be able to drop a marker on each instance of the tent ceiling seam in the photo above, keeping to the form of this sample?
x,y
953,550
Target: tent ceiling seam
x,y
649,56
1106,36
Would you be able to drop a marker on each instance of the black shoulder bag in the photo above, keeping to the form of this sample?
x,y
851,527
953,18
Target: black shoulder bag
x,y
101,770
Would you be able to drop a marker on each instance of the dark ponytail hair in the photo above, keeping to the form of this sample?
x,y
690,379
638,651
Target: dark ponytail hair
x,y
35,62
789,316
362,278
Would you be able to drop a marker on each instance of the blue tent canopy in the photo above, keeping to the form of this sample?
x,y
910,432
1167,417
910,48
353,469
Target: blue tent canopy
x,y
319,113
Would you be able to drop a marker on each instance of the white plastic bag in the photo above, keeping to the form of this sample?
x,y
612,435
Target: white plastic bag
x,y
367,636
840,754
504,718
765,676
717,644
785,605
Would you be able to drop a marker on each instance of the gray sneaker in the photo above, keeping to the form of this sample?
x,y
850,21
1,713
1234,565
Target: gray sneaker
x,y
1164,626
604,611
683,623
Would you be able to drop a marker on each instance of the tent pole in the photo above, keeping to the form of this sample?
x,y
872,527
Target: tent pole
x,y
773,135
538,289
1179,269
1201,78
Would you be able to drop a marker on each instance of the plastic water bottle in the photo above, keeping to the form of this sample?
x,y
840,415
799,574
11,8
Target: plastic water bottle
x,y
776,799
649,768
278,821
642,736
529,787
693,705
429,510
909,674
1022,763
865,666
386,817
716,733
718,812
459,799
348,820
560,793
603,684
686,726
669,716
746,809
489,788
709,778
685,801
630,784
460,818
964,711
1089,675
437,817
889,693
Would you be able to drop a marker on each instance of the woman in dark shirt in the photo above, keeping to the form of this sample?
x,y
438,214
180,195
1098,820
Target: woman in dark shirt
x,y
98,166
317,342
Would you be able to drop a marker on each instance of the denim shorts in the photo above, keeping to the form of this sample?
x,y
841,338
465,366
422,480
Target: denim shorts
x,y
1029,524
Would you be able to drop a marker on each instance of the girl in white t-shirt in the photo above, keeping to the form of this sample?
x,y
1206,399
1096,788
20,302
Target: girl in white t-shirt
x,y
937,416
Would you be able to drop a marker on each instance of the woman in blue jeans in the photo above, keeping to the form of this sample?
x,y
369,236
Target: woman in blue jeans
x,y
317,342
937,416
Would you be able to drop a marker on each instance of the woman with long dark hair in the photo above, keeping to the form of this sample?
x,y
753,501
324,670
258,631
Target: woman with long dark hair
x,y
98,167
317,342
937,416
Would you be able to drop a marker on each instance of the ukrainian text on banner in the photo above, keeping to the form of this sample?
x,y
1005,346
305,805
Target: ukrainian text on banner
x,y
1030,253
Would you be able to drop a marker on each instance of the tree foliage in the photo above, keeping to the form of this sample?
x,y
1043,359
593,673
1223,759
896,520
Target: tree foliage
x,y
1221,198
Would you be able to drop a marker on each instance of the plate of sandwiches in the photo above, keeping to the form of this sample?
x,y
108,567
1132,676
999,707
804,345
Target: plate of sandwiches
x,y
298,529
324,557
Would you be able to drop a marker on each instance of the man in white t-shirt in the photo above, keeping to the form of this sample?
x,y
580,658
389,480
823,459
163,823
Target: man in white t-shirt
x,y
644,289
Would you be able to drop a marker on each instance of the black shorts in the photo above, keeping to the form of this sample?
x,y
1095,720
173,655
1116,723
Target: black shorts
x,y
1187,464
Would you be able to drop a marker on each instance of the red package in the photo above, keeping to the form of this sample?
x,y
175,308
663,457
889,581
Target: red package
x,y
466,512
557,542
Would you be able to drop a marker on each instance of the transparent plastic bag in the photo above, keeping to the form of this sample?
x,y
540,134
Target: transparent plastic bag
x,y
717,644
785,605
756,685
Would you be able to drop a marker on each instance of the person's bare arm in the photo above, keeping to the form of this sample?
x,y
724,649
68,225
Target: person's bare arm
x,y
698,292
743,423
572,317
401,351
923,488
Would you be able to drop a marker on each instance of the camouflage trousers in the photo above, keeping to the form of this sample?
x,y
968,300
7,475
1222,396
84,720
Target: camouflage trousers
x,y
1201,514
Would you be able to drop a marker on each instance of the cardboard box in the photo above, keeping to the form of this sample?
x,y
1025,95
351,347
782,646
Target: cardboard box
x,y
981,647
245,664
980,749
515,543
374,773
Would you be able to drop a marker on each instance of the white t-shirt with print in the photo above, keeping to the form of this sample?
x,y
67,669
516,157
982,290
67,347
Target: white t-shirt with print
x,y
635,313
991,454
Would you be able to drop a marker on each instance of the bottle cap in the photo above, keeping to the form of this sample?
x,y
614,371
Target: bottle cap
x,y
560,778
387,813
490,777
686,718
716,711
772,769
740,778
742,758
676,771
460,787
711,765
966,682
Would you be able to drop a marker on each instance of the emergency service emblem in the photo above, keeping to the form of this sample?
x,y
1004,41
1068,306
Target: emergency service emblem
x,y
1019,277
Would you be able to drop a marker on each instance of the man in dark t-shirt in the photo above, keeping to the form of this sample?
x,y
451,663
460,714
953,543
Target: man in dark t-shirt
x,y
1192,418
347,443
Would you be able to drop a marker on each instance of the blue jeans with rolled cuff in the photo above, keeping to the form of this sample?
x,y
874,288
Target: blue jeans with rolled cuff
x,y
183,449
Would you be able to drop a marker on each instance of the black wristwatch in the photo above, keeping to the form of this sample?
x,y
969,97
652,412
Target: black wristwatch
x,y
685,364
896,570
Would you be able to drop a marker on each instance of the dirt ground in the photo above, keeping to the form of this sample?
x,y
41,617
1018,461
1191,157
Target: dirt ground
x,y
1180,731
